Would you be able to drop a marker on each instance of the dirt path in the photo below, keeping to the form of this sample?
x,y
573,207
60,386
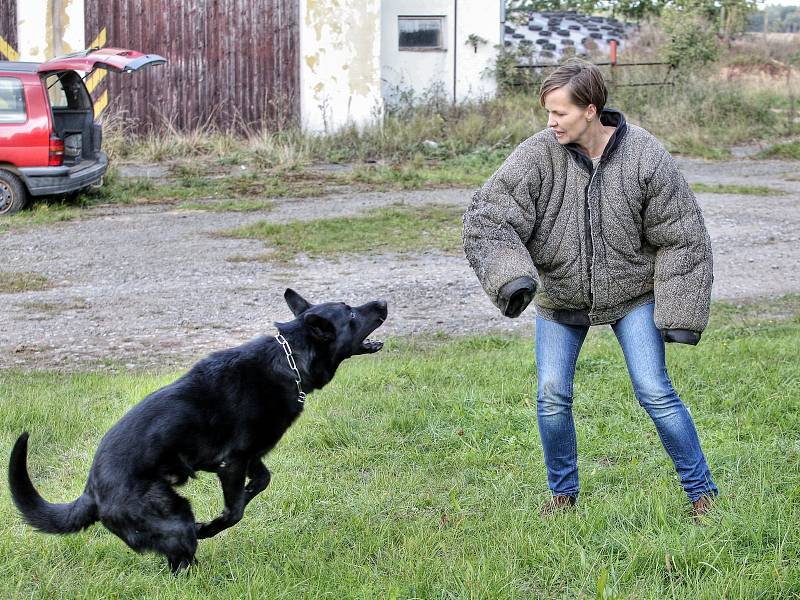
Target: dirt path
x,y
147,286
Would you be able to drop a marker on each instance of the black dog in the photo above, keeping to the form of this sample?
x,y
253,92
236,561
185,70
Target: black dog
x,y
222,416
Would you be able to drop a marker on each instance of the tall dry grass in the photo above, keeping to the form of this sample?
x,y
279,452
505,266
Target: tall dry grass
x,y
749,95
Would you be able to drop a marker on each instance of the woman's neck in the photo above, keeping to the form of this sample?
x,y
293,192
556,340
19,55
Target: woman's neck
x,y
595,139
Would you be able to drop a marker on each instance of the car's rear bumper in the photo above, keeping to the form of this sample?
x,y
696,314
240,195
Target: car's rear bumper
x,y
47,181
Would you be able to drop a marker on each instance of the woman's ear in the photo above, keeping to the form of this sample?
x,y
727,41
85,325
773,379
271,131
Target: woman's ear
x,y
590,112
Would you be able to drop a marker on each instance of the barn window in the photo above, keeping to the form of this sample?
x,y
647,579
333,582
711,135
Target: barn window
x,y
12,101
421,33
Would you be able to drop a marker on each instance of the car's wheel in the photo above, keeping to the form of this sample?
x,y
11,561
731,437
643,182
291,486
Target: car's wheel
x,y
13,196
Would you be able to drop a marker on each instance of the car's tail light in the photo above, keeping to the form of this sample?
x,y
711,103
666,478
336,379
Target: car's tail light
x,y
55,157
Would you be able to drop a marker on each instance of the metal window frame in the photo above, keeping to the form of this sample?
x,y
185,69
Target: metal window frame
x,y
24,101
442,33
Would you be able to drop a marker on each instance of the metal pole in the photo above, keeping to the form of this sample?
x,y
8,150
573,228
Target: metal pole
x,y
455,49
613,60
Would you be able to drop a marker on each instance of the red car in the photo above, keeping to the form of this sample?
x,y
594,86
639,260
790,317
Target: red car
x,y
49,139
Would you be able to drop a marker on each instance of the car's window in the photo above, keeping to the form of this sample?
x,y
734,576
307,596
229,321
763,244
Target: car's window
x,y
12,101
55,91
66,91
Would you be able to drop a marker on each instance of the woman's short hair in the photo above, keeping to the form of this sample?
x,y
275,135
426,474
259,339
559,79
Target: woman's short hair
x,y
583,80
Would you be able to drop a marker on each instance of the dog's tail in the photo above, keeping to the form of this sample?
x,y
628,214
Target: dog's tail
x,y
38,512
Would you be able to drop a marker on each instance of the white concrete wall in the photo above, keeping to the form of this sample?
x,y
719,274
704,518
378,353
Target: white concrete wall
x,y
339,63
483,18
44,34
424,71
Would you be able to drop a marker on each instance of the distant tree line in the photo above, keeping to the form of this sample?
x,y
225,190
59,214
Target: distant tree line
x,y
780,19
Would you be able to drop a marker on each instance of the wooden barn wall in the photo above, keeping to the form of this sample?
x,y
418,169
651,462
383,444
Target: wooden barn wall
x,y
232,64
8,25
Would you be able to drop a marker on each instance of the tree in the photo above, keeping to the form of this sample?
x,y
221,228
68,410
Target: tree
x,y
731,15
637,10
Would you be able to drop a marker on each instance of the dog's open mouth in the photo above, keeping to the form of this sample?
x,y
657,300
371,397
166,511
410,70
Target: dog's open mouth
x,y
368,346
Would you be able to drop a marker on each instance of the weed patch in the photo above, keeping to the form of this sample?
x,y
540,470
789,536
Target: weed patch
x,y
742,190
395,229
785,150
22,281
243,205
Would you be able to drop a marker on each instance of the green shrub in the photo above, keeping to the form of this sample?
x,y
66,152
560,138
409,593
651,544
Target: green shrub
x,y
692,40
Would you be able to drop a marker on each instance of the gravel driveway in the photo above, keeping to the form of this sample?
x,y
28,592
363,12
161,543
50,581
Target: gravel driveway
x,y
148,286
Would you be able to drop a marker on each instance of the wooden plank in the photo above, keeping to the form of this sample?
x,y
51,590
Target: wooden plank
x,y
229,66
9,50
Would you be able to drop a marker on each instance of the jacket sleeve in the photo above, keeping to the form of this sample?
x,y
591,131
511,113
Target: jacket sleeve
x,y
497,226
673,223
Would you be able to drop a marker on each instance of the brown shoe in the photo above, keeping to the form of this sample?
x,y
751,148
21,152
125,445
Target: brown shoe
x,y
557,504
701,507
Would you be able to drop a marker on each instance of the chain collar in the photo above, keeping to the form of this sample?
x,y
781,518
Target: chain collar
x,y
301,395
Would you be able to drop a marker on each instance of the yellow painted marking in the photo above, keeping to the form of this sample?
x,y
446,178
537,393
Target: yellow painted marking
x,y
95,79
7,50
100,40
100,74
101,104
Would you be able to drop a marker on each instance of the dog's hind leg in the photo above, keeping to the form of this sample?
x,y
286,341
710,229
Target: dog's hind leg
x,y
259,477
232,478
160,520
237,495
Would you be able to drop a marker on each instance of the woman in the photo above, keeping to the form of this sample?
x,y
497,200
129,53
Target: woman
x,y
591,220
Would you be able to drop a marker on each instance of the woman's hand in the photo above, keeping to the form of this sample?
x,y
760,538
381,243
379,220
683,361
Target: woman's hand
x,y
517,295
681,336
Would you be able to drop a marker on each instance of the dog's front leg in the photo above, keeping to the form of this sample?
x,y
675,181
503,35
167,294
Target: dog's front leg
x,y
232,477
259,480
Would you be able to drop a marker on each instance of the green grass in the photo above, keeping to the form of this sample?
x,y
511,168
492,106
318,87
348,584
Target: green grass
x,y
418,473
743,190
786,150
425,171
40,213
190,185
242,205
15,282
395,229
696,145
188,188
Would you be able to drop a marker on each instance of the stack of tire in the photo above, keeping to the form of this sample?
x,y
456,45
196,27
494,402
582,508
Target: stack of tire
x,y
552,35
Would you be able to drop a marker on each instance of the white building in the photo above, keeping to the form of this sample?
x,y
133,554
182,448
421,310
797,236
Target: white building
x,y
344,59
445,45
358,54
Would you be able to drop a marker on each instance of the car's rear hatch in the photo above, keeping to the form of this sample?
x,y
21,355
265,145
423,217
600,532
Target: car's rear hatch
x,y
113,59
74,127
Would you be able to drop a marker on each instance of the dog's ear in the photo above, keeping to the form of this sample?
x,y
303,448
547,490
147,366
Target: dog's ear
x,y
296,302
320,328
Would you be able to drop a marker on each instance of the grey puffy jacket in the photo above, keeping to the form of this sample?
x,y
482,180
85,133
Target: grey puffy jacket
x,y
593,245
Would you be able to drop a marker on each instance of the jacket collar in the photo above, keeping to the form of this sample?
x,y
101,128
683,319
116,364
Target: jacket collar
x,y
611,117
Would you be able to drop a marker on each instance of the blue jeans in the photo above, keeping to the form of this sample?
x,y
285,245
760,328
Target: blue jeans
x,y
557,348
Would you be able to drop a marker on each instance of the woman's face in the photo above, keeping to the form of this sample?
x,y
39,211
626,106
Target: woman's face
x,y
568,121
